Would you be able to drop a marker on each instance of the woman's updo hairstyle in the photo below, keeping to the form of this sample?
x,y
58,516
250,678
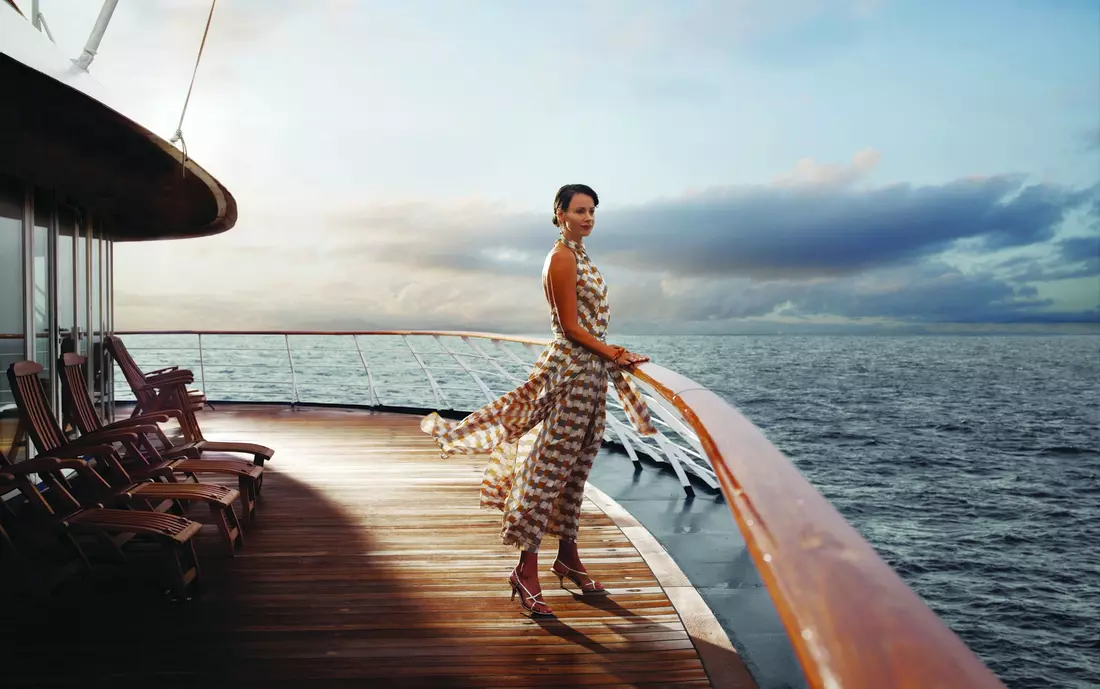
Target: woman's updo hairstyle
x,y
565,197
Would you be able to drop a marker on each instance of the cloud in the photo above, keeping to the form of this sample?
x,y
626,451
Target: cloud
x,y
818,243
927,293
1090,141
1081,250
808,172
809,223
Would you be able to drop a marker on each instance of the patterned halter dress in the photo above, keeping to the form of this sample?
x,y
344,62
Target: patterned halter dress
x,y
543,436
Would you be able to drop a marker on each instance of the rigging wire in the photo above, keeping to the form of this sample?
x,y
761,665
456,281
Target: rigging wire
x,y
178,136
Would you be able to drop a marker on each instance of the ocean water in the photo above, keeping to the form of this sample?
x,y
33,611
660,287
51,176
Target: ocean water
x,y
971,464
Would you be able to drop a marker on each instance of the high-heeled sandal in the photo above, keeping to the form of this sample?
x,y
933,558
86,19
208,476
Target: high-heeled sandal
x,y
516,584
593,586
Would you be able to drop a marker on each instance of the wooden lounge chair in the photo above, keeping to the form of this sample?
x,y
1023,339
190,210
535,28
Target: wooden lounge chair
x,y
81,414
64,520
148,388
32,560
144,459
167,393
122,491
15,569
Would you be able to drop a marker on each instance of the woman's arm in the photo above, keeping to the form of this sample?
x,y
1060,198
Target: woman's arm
x,y
562,292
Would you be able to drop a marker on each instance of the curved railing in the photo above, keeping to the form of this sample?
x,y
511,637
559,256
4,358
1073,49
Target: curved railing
x,y
852,622
445,371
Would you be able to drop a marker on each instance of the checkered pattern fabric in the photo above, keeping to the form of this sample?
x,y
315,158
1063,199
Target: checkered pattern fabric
x,y
542,437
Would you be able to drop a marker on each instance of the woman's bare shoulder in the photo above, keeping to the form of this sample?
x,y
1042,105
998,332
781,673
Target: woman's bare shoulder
x,y
560,257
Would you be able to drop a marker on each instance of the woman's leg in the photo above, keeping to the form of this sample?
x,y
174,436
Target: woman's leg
x,y
567,517
548,484
526,575
539,475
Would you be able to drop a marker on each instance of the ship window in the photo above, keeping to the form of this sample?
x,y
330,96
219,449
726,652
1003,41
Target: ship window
x,y
66,276
42,298
11,297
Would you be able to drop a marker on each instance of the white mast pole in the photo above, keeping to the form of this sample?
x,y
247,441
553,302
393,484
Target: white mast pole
x,y
100,27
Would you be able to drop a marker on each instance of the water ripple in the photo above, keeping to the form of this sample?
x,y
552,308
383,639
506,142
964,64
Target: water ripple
x,y
971,464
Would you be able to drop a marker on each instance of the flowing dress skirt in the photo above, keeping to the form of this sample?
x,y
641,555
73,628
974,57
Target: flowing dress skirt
x,y
542,438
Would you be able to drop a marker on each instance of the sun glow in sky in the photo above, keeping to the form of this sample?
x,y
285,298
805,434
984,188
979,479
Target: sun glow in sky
x,y
760,164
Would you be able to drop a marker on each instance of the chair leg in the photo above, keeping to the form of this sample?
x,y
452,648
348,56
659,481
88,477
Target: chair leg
x,y
230,528
247,488
112,546
183,564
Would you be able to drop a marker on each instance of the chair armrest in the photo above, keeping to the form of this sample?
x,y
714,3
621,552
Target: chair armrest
x,y
118,435
75,450
146,429
167,369
159,416
184,377
40,464
44,464
135,423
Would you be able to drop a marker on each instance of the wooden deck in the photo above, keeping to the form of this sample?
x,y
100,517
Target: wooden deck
x,y
370,564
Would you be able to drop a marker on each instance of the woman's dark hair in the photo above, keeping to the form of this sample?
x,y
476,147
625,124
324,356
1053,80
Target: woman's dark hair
x,y
565,197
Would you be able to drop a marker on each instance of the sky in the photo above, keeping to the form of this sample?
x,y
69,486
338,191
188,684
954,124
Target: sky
x,y
762,166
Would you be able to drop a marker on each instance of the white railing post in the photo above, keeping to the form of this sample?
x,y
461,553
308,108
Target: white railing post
x,y
202,366
489,396
366,369
439,397
293,375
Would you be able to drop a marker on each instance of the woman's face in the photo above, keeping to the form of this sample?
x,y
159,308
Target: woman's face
x,y
579,218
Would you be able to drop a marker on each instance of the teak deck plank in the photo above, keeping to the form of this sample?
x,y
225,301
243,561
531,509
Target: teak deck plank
x,y
369,564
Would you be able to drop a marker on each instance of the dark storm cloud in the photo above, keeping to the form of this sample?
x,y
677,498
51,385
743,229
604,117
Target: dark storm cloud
x,y
933,293
807,232
929,293
800,250
764,232
1070,258
1080,249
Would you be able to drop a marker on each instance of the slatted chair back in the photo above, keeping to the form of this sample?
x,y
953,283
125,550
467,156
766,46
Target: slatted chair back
x,y
30,397
81,413
130,370
77,403
176,398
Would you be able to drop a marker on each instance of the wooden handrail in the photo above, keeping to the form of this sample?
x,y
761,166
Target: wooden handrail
x,y
853,622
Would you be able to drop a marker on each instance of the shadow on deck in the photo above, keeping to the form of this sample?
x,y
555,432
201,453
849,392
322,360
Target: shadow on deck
x,y
369,564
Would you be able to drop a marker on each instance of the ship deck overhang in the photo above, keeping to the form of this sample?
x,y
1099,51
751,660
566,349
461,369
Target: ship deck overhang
x,y
136,185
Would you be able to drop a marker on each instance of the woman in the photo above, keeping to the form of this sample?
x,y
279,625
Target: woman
x,y
543,436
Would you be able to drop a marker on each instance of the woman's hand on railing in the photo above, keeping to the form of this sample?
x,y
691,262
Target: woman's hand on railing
x,y
628,359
